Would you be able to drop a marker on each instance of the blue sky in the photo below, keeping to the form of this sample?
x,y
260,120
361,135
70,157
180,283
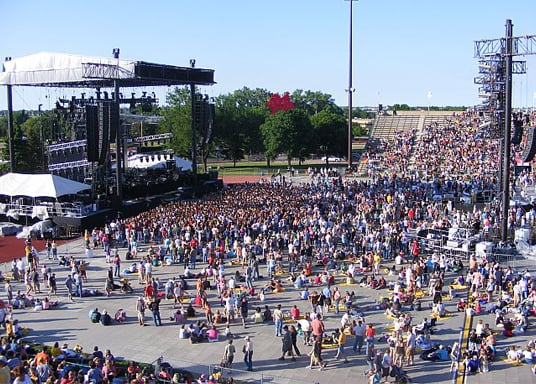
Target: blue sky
x,y
416,52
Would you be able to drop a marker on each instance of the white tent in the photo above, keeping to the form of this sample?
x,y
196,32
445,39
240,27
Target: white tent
x,y
38,185
57,68
141,161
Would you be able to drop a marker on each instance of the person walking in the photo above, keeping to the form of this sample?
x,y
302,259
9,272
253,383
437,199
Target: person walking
x,y
386,364
117,265
341,341
369,337
52,285
69,282
318,326
155,309
411,343
359,332
78,283
248,353
54,249
294,336
244,310
316,354
9,291
278,320
140,309
228,354
336,299
287,344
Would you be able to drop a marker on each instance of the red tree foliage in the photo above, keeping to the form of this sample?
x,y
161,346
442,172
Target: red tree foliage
x,y
278,103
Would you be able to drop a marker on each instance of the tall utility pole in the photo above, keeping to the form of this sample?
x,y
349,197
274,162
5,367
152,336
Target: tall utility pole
x,y
10,130
193,127
507,127
350,88
41,138
118,137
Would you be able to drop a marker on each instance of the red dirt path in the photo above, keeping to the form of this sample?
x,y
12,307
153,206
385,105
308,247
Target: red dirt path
x,y
12,248
240,179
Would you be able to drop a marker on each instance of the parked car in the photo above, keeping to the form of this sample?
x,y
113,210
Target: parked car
x,y
333,159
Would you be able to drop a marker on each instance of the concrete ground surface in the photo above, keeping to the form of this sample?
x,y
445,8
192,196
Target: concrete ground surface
x,y
69,323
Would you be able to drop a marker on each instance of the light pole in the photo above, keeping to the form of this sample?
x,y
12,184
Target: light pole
x,y
429,96
41,138
350,88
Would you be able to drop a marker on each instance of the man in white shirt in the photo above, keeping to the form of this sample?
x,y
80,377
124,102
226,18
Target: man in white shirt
x,y
359,333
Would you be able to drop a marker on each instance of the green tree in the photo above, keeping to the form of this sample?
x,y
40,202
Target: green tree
x,y
287,132
330,133
239,116
313,102
177,121
401,107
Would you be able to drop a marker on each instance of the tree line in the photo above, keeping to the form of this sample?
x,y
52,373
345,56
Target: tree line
x,y
243,127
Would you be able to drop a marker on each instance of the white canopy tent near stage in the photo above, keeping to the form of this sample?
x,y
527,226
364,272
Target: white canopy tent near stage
x,y
34,186
39,185
141,161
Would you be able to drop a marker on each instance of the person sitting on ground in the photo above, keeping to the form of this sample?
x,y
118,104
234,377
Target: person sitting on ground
x,y
267,314
271,285
461,306
94,315
381,283
513,355
190,311
528,355
439,310
213,334
120,315
184,332
440,354
227,332
178,316
473,364
257,316
499,318
459,281
295,313
105,319
304,295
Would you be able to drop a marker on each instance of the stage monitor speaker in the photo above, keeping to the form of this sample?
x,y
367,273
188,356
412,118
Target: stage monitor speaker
x,y
518,132
114,120
92,132
530,148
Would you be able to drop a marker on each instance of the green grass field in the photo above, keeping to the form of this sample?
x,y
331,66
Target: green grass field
x,y
260,168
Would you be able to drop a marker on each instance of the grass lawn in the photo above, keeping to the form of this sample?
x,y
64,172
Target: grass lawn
x,y
258,168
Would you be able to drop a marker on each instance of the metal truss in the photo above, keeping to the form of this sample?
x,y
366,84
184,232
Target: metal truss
x,y
105,71
68,145
161,136
68,165
521,45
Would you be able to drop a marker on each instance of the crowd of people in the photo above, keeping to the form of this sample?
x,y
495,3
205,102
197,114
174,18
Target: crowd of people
x,y
308,237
